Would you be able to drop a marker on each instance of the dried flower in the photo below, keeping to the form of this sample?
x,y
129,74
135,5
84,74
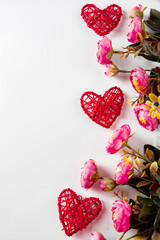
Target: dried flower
x,y
139,80
142,112
105,50
117,139
89,174
121,212
123,171
134,27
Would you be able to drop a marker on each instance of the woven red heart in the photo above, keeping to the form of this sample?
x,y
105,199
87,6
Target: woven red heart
x,y
101,21
75,213
103,110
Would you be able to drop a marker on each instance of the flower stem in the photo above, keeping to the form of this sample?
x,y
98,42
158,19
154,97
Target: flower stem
x,y
145,179
121,236
123,71
152,34
130,52
138,234
121,52
143,157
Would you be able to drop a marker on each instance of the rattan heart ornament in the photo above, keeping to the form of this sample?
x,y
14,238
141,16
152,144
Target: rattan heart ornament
x,y
76,213
101,21
103,109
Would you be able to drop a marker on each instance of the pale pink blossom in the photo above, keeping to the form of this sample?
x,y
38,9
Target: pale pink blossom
x,y
139,80
121,212
117,139
105,50
89,174
123,171
142,112
107,184
134,27
111,69
97,236
137,11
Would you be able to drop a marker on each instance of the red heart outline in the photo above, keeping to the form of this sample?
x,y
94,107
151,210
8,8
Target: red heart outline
x,y
101,21
75,213
103,110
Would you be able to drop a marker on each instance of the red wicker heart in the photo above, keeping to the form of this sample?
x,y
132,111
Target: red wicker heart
x,y
75,213
103,110
101,21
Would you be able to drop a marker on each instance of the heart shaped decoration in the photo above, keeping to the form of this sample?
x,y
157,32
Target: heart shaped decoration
x,y
101,21
75,213
103,110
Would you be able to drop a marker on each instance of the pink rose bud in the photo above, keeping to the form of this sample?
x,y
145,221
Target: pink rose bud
x,y
137,11
106,184
139,80
134,27
118,138
123,171
89,174
121,212
111,69
97,236
142,112
105,50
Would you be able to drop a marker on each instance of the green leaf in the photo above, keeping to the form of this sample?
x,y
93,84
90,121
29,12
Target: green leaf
x,y
134,181
154,20
157,177
144,9
158,192
150,58
142,183
156,151
153,25
157,201
146,201
155,235
145,213
157,220
153,168
137,44
151,51
154,15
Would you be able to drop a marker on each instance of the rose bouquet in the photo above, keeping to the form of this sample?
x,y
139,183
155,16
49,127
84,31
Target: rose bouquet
x,y
139,171
146,82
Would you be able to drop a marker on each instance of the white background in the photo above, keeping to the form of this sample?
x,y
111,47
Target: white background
x,y
47,60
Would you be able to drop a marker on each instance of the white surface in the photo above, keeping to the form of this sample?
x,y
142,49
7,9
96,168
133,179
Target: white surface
x,y
47,60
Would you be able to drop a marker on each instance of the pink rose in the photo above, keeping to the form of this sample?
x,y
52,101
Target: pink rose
x,y
105,50
97,236
121,212
139,80
117,139
142,111
137,11
123,171
89,174
134,28
111,69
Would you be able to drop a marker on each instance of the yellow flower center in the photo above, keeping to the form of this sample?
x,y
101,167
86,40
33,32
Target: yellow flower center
x,y
135,82
142,120
114,216
112,136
